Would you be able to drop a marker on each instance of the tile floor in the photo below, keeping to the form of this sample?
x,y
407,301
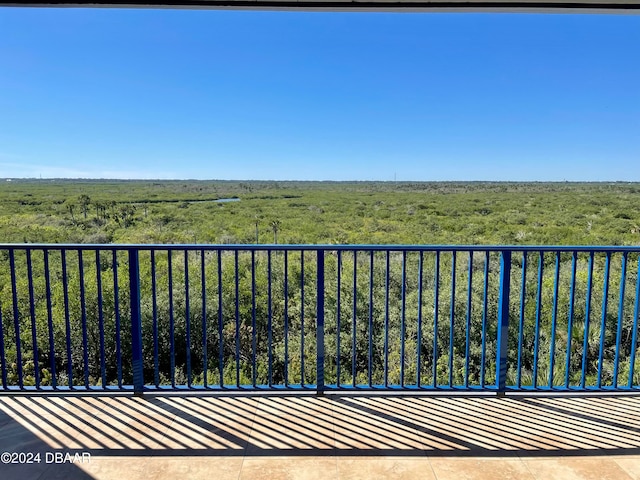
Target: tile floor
x,y
275,437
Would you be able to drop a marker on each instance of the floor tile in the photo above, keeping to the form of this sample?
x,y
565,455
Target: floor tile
x,y
289,468
631,465
576,468
446,468
117,468
384,468
194,468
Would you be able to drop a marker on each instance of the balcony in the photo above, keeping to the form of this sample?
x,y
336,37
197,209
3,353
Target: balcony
x,y
282,361
252,436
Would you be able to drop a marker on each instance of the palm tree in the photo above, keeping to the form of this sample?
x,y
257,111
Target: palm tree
x,y
275,225
84,201
70,207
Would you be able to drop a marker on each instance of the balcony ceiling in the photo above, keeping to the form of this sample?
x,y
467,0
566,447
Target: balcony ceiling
x,y
548,6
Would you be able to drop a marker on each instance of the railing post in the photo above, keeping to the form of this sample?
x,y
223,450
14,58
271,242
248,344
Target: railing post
x,y
503,321
136,322
320,324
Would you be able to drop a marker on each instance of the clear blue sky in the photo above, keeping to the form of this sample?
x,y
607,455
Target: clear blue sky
x,y
110,93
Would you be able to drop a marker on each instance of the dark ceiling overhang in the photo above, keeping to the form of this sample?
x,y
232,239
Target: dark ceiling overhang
x,y
549,6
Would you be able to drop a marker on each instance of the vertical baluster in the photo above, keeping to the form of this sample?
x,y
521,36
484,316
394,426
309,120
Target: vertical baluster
x,y
353,320
83,313
521,323
587,314
154,309
634,337
136,322
269,321
468,328
503,321
605,298
32,314
536,342
187,314
567,374
338,288
16,318
103,363
116,307
403,296
623,279
386,321
554,320
436,287
172,339
302,380
286,318
203,289
485,301
370,363
220,322
254,338
452,315
237,317
67,321
320,324
419,340
3,358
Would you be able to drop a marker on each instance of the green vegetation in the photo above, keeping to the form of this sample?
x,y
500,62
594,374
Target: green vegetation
x,y
164,212
319,212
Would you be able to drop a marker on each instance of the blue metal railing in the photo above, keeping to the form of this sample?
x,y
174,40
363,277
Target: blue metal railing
x,y
323,318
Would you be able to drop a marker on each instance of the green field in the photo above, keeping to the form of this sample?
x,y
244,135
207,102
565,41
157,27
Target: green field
x,y
319,212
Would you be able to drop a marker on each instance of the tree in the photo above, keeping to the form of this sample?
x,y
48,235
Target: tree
x,y
70,208
275,225
101,210
84,201
125,215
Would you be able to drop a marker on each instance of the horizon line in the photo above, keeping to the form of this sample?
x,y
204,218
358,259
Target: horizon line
x,y
104,179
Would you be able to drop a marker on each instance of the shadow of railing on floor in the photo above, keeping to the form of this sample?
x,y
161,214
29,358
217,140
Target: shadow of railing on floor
x,y
28,452
335,425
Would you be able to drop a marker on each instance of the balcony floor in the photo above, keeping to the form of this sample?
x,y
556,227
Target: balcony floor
x,y
307,437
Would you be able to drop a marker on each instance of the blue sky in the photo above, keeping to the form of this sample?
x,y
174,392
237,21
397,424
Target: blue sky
x,y
108,93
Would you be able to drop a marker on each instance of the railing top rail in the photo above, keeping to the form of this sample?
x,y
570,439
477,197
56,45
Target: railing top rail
x,y
323,247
